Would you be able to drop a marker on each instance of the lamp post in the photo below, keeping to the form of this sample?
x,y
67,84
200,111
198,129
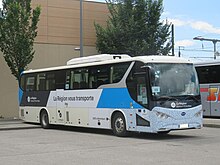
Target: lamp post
x,y
81,28
214,41
172,31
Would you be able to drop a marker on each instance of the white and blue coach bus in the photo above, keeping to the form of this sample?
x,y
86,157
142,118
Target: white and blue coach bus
x,y
154,94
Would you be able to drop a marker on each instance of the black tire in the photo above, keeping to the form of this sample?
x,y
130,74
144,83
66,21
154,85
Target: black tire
x,y
44,120
119,125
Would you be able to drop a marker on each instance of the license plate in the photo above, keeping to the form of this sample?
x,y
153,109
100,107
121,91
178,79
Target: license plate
x,y
184,125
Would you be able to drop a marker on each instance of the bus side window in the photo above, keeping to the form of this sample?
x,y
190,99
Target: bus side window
x,y
45,81
79,78
99,75
215,73
203,74
118,71
50,81
30,83
84,84
60,79
41,82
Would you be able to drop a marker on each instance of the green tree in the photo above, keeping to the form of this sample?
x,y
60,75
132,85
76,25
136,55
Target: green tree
x,y
134,27
18,28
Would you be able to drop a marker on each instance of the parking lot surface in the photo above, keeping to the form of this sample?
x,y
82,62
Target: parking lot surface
x,y
70,145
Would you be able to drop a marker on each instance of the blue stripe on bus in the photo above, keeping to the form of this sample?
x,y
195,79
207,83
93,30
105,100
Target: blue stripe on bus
x,y
116,98
20,94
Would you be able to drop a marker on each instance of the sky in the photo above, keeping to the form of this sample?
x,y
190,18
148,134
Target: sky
x,y
192,18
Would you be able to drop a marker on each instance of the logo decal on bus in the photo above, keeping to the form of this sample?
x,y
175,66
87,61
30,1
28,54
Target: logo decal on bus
x,y
33,99
28,99
183,113
173,105
214,94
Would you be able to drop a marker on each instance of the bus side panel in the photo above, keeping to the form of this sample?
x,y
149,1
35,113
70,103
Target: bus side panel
x,y
77,117
210,96
29,114
100,118
204,90
215,99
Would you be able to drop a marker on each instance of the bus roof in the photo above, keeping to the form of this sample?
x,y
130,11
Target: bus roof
x,y
97,58
207,63
91,61
161,59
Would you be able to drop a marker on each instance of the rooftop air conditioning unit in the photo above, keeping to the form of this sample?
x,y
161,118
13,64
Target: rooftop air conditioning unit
x,y
97,58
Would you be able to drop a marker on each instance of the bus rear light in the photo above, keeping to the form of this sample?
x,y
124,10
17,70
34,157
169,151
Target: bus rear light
x,y
22,112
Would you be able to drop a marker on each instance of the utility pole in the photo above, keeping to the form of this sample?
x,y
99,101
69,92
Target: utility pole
x,y
81,28
172,31
214,41
180,49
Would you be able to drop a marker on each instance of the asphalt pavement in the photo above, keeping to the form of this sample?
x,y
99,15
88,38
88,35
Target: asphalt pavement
x,y
11,124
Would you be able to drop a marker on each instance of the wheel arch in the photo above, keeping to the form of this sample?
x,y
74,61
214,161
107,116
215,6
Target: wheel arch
x,y
115,112
42,110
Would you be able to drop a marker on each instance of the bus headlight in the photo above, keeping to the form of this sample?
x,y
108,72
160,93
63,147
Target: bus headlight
x,y
162,115
199,114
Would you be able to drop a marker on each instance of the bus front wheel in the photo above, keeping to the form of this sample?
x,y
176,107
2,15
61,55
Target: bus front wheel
x,y
44,119
119,125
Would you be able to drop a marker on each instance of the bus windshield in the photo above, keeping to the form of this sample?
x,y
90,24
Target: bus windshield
x,y
173,80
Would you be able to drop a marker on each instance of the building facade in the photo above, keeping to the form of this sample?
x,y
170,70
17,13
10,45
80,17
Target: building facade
x,y
57,42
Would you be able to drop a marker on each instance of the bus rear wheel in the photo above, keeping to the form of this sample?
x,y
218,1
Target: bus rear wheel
x,y
44,120
119,125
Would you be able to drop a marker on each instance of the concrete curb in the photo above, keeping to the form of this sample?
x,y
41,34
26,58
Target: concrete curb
x,y
211,125
211,122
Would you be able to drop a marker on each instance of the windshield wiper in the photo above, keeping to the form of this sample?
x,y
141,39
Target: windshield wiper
x,y
166,98
192,97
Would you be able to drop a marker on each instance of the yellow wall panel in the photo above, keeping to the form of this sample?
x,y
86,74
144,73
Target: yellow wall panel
x,y
63,32
95,6
72,4
42,3
63,12
94,15
64,22
60,21
62,40
43,21
42,31
41,39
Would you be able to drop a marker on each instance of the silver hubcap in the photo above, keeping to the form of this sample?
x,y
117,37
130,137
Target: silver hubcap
x,y
119,125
